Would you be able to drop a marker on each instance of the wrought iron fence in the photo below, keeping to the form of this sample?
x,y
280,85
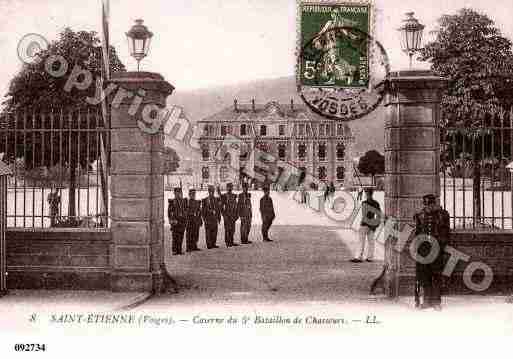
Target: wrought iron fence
x,y
59,162
476,186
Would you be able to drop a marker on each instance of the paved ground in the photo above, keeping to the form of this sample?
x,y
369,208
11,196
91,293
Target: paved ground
x,y
309,260
303,263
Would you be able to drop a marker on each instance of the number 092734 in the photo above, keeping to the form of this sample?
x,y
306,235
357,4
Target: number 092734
x,y
30,347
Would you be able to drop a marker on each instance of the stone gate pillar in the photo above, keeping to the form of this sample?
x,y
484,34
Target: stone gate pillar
x,y
137,183
412,163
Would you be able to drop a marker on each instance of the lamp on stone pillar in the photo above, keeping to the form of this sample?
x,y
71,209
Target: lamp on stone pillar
x,y
411,35
412,156
137,176
139,39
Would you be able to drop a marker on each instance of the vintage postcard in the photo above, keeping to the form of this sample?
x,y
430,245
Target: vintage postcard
x,y
294,178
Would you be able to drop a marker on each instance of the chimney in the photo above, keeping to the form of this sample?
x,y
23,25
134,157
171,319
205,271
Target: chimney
x,y
292,104
253,105
235,105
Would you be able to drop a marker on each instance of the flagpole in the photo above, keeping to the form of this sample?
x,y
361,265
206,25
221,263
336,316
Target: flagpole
x,y
105,135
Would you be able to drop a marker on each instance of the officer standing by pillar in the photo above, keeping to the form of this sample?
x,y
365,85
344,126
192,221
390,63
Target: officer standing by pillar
x,y
267,214
211,213
432,234
194,221
245,213
230,215
177,214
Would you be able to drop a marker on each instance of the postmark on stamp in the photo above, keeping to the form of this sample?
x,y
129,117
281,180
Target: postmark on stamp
x,y
340,65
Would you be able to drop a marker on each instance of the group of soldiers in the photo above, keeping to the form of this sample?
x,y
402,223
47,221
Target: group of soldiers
x,y
187,215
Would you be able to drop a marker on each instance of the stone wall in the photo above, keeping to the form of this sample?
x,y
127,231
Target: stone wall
x,y
492,248
58,259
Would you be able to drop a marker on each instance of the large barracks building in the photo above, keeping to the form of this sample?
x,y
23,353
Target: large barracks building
x,y
290,132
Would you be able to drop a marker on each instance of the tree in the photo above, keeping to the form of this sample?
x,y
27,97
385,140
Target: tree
x,y
171,161
36,99
470,52
372,164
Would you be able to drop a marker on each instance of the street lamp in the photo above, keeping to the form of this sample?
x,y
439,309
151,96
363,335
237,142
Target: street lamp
x,y
411,35
139,39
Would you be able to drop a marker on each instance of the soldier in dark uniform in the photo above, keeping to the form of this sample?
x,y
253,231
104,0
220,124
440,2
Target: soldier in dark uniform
x,y
194,221
211,213
245,213
267,213
434,222
177,214
230,214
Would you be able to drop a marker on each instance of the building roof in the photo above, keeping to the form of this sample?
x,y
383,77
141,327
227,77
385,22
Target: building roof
x,y
270,110
4,169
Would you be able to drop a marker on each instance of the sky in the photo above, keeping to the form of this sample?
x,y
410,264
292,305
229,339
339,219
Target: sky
x,y
205,43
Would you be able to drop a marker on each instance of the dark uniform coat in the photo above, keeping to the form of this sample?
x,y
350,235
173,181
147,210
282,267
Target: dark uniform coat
x,y
230,215
267,214
245,213
436,224
194,222
211,213
177,211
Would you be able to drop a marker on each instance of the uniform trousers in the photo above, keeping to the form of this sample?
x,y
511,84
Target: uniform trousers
x,y
192,236
430,278
245,228
266,225
229,230
177,231
211,234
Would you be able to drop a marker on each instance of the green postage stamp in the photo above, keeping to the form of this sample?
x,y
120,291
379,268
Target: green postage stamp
x,y
333,37
339,62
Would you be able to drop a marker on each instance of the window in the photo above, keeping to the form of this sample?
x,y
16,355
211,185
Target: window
x,y
327,129
205,173
263,130
263,146
243,129
322,172
205,153
223,173
341,149
282,151
340,129
209,130
322,151
322,129
281,130
301,129
340,173
225,130
301,151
